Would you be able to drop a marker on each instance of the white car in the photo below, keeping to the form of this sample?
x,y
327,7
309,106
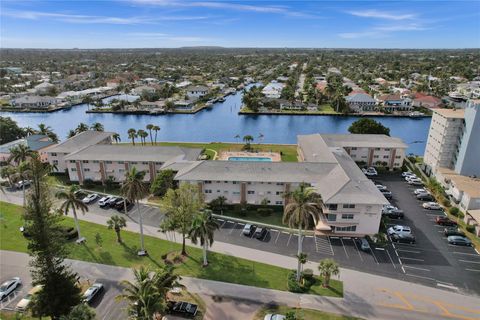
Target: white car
x,y
416,182
371,172
9,286
90,198
91,292
104,201
22,305
274,317
387,208
419,191
398,229
410,177
407,173
381,187
412,181
431,206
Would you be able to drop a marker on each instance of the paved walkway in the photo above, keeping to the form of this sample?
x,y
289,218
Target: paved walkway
x,y
365,295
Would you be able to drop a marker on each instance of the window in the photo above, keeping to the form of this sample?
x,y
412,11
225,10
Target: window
x,y
236,193
398,157
55,161
347,216
108,162
145,162
72,161
120,162
95,161
218,191
251,192
279,183
235,182
85,161
387,149
376,157
353,148
350,228
348,206
73,169
377,149
208,182
385,157
332,207
225,181
279,193
54,154
278,202
331,217
208,191
121,170
269,192
86,169
159,163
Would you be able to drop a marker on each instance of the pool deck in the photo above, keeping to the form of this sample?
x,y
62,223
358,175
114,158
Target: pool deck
x,y
225,155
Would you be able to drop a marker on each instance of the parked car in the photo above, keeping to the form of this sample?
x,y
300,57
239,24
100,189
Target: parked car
x,y
381,187
410,177
22,305
415,182
363,244
370,172
20,184
90,198
407,173
182,308
260,233
403,238
274,317
424,197
111,202
396,229
120,205
395,214
444,221
388,207
431,206
9,286
387,194
92,292
459,240
453,231
103,202
419,191
248,229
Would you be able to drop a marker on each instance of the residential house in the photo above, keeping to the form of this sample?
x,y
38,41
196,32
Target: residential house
x,y
141,89
426,101
43,88
195,92
394,102
360,102
273,90
34,102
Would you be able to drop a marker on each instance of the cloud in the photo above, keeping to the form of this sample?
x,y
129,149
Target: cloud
x,y
377,14
226,5
89,19
383,31
167,37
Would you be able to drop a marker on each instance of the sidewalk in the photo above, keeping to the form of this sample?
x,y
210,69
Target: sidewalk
x,y
365,295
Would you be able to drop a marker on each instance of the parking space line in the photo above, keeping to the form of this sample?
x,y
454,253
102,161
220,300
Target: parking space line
x,y
446,286
233,228
409,251
470,261
286,232
388,253
416,268
343,245
224,222
466,253
278,235
417,276
474,270
374,257
220,219
358,251
288,242
413,259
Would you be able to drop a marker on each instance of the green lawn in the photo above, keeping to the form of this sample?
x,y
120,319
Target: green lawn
x,y
101,247
62,179
289,152
305,314
252,215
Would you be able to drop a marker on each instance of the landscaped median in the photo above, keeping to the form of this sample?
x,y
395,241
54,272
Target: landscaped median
x,y
304,314
101,247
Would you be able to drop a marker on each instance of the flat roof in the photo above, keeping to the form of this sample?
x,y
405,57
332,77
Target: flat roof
x,y
363,140
451,113
470,186
475,214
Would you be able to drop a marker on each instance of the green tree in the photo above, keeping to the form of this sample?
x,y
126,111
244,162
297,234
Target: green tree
x,y
203,229
71,134
219,203
134,189
47,247
97,126
368,126
9,130
247,139
71,202
116,137
82,127
149,128
302,259
80,312
181,205
117,223
303,204
156,129
20,153
327,268
8,172
23,173
132,134
163,181
147,294
47,131
143,136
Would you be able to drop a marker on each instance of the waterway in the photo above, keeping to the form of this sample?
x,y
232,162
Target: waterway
x,y
222,123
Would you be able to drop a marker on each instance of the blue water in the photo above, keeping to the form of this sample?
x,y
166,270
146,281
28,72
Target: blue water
x,y
222,123
249,159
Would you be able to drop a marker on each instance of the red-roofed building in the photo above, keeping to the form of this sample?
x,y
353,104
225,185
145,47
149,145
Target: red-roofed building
x,y
426,101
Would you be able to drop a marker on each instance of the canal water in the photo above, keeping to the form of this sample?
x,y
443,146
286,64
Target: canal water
x,y
222,123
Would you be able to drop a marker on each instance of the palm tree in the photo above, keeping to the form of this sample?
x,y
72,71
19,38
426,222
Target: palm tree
x,y
23,173
117,223
8,172
261,137
247,139
72,202
47,131
147,294
149,128
143,135
82,127
302,259
304,204
71,134
116,137
203,228
29,131
237,137
327,268
156,129
97,126
134,189
20,153
132,134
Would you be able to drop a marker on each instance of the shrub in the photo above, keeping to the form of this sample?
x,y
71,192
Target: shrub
x,y
454,211
307,274
88,183
265,211
470,228
446,202
292,284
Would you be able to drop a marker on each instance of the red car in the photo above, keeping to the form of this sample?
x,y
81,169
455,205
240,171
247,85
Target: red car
x,y
444,221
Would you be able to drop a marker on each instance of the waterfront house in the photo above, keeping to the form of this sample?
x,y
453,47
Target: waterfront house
x,y
195,92
394,102
34,102
43,88
360,102
35,142
143,89
273,90
426,101
184,104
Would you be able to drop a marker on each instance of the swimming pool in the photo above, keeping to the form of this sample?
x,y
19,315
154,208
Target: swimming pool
x,y
249,159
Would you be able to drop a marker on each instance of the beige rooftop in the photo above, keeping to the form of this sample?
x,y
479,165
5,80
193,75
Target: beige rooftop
x,y
451,113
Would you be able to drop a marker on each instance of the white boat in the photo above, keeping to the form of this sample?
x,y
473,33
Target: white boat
x,y
457,96
416,114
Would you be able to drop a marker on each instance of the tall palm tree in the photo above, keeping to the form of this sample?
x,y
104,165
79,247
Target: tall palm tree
x,y
71,134
117,223
8,172
23,173
72,202
97,126
327,268
304,204
47,131
20,153
134,189
116,137
149,128
302,259
147,294
237,137
29,131
132,134
203,229
156,129
143,135
247,139
82,127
